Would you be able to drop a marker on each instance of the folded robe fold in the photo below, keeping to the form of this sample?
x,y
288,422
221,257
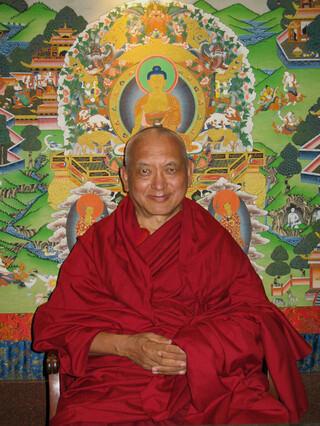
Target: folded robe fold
x,y
188,281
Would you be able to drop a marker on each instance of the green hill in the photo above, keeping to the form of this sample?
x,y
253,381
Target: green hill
x,y
205,6
272,19
264,55
3,28
35,19
259,76
233,16
6,13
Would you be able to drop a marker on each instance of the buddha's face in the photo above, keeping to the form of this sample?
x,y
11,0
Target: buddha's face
x,y
157,82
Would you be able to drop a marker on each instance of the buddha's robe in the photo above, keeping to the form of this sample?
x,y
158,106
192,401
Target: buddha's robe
x,y
188,281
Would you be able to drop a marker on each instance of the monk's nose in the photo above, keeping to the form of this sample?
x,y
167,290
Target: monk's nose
x,y
158,181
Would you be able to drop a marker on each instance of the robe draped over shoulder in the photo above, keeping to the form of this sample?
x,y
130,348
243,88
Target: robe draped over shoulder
x,y
188,281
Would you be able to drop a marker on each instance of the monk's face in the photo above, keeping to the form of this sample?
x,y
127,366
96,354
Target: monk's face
x,y
157,176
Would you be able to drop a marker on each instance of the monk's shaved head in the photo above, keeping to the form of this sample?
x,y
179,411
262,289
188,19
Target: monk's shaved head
x,y
156,175
150,133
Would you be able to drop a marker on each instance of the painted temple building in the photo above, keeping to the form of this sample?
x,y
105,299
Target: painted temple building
x,y
311,151
305,14
40,82
45,68
292,42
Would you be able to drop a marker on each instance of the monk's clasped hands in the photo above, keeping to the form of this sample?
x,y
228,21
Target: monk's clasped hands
x,y
156,353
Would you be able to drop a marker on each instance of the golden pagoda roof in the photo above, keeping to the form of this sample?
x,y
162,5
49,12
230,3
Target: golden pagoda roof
x,y
304,13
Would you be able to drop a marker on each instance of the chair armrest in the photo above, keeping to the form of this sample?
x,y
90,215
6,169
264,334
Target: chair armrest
x,y
52,363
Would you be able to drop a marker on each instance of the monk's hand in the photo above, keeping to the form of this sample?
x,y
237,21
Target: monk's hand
x,y
156,353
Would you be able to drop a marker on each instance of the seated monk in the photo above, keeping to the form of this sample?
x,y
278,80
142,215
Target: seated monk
x,y
158,315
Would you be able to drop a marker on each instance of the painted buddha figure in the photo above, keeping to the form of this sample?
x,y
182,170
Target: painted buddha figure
x,y
226,204
89,208
157,107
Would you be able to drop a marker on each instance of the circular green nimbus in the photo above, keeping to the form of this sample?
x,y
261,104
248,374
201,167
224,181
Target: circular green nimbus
x,y
157,65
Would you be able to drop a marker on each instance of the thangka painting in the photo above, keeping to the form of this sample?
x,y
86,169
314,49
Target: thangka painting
x,y
239,83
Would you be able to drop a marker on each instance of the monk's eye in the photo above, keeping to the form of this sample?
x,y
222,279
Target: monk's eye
x,y
171,170
144,171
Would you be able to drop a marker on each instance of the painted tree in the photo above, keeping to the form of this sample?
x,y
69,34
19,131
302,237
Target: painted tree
x,y
31,142
307,244
304,248
279,267
5,141
313,32
4,65
19,5
290,165
310,127
289,8
301,263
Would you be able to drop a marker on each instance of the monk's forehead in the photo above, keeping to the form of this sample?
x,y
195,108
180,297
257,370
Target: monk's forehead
x,y
154,140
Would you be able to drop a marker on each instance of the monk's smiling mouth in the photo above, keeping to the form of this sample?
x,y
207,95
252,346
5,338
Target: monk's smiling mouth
x,y
159,197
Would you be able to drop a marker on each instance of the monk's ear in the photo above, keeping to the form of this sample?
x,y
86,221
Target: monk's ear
x,y
190,172
124,178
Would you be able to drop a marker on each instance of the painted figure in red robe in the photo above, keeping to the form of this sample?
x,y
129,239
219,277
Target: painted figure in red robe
x,y
158,316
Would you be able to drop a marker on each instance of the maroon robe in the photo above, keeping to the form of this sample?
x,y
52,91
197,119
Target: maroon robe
x,y
188,281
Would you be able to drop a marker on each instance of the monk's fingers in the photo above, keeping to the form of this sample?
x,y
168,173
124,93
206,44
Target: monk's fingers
x,y
173,355
158,355
168,370
172,362
173,349
157,338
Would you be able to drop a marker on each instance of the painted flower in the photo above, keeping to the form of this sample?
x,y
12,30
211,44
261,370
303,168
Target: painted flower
x,y
66,91
75,52
107,22
107,82
165,39
204,21
113,72
69,77
51,283
213,36
199,68
85,36
205,81
101,33
189,63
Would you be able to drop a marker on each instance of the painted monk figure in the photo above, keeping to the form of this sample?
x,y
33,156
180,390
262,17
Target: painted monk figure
x,y
157,107
158,315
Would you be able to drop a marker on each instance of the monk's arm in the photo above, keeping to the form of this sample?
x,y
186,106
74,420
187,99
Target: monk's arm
x,y
150,351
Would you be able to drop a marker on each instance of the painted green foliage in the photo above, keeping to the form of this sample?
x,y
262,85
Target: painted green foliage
x,y
5,141
279,267
290,165
31,142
